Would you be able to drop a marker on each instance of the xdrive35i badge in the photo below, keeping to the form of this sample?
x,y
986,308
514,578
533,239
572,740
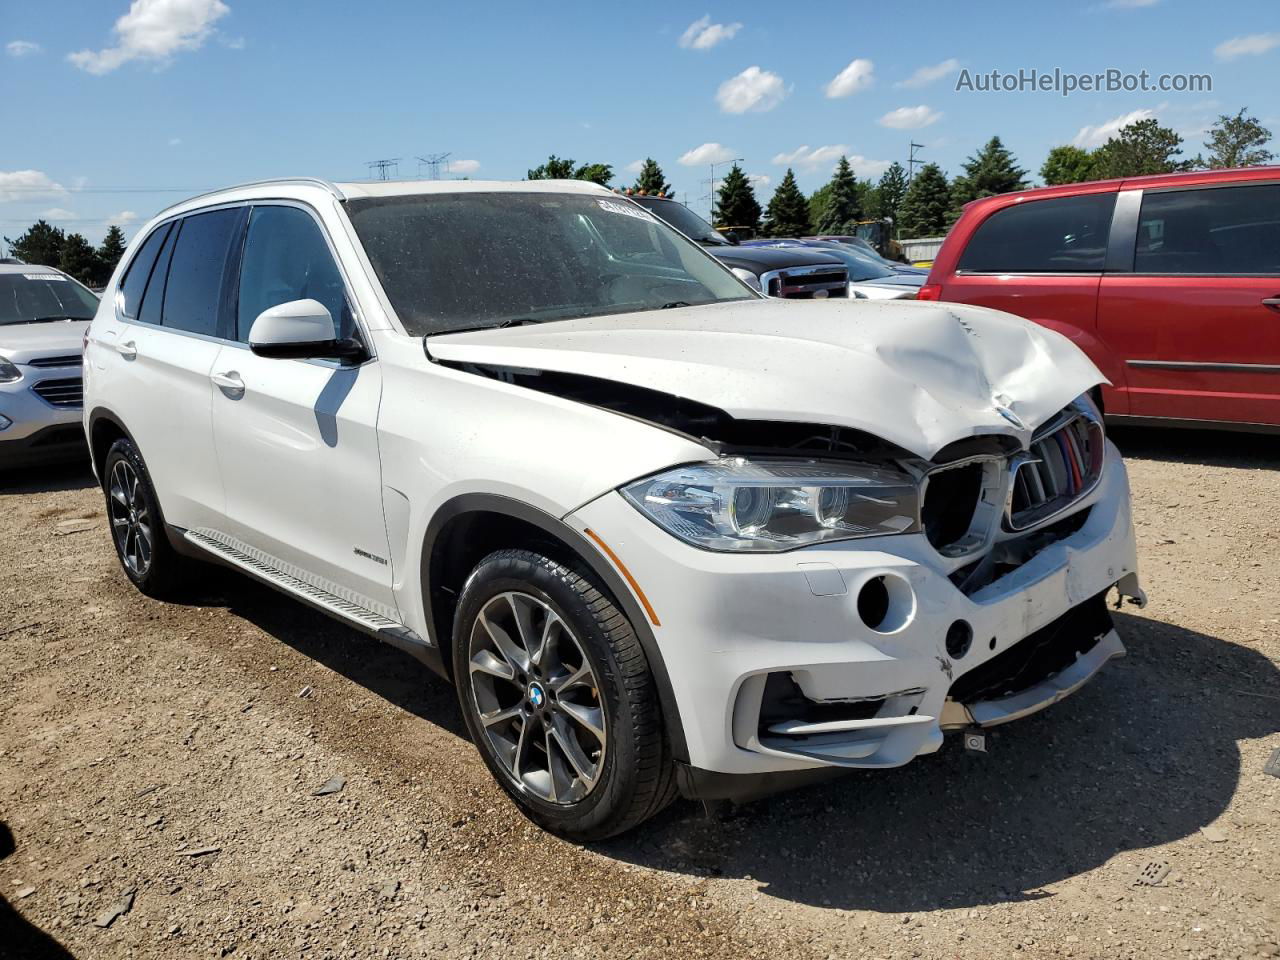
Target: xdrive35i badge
x,y
368,556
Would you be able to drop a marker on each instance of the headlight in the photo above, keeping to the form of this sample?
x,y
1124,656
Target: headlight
x,y
736,504
747,277
8,372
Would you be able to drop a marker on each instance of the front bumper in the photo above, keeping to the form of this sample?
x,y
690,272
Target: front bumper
x,y
736,629
39,431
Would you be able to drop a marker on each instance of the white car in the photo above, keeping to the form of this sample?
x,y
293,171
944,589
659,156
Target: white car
x,y
663,533
43,316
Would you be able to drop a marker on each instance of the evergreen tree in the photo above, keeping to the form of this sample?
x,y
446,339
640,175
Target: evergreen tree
x,y
990,171
1067,164
41,243
818,201
109,253
843,207
1238,141
868,200
924,208
557,168
788,213
652,180
736,205
78,259
1140,148
891,191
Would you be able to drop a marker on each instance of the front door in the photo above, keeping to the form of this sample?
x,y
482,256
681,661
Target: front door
x,y
297,439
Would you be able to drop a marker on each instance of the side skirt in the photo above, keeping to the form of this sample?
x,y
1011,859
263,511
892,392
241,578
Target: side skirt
x,y
208,545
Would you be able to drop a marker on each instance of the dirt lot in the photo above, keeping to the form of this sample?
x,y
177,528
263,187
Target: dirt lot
x,y
137,734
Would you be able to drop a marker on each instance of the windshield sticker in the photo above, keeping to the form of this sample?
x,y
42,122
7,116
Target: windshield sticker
x,y
627,210
44,276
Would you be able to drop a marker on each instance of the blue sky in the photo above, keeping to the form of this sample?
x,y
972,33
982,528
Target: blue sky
x,y
112,109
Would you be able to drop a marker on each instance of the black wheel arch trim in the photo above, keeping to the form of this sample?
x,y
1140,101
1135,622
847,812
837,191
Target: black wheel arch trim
x,y
596,562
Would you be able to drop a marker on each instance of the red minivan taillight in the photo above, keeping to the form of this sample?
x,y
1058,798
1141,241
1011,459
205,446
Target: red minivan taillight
x,y
930,291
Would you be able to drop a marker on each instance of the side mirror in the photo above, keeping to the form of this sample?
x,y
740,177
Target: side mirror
x,y
732,237
301,330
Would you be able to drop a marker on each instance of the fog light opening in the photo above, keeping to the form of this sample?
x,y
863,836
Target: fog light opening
x,y
959,639
886,603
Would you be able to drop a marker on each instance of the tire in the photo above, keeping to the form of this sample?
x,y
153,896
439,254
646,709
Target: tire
x,y
137,525
537,699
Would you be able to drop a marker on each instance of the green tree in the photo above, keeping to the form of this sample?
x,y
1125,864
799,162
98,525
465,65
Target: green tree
x,y
1238,141
788,213
736,203
990,171
1140,148
557,168
924,209
41,243
818,201
109,253
891,191
843,206
1067,164
868,199
651,179
79,259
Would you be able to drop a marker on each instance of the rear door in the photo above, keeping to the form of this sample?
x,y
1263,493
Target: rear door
x,y
297,439
1197,321
1042,260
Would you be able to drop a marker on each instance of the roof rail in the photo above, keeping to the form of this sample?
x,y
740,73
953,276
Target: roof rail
x,y
309,181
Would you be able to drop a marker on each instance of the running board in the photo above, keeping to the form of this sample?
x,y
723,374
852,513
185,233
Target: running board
x,y
352,614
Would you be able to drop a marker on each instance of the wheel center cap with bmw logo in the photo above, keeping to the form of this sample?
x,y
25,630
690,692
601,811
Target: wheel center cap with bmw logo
x,y
537,696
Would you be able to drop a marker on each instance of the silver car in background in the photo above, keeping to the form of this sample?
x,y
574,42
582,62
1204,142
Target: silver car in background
x,y
43,317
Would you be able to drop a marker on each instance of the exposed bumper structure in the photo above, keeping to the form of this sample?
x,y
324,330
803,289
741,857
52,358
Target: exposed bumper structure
x,y
860,654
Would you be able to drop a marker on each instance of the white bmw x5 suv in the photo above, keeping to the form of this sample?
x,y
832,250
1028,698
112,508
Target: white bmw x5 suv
x,y
663,533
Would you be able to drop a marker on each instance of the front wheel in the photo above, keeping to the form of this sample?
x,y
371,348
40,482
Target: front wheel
x,y
558,697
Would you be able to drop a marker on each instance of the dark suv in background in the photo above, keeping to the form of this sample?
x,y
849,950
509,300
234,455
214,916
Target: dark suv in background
x,y
798,274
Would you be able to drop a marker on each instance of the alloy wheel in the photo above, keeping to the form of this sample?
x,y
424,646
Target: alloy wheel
x,y
130,518
537,698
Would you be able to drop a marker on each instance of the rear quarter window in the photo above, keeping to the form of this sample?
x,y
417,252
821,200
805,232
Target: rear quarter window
x,y
1060,235
135,280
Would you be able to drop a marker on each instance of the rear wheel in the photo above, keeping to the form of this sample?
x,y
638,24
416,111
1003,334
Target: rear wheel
x,y
137,526
558,697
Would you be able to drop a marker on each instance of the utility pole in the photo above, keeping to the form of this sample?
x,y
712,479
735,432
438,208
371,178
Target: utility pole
x,y
384,169
712,183
912,161
433,162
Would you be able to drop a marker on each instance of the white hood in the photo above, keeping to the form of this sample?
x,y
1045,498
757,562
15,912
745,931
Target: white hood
x,y
920,375
24,342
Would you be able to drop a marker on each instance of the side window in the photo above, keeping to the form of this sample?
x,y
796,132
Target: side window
x,y
135,280
152,308
286,258
1062,235
1224,231
193,292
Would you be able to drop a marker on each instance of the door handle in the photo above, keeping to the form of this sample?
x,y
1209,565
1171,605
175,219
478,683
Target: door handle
x,y
128,350
229,381
1272,302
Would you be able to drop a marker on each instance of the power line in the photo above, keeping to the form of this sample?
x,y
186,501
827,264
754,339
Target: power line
x,y
433,162
381,169
912,161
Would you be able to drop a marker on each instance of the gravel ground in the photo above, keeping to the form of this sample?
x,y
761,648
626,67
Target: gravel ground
x,y
159,765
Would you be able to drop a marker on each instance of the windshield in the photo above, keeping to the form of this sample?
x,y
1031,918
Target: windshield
x,y
42,295
861,267
683,219
465,261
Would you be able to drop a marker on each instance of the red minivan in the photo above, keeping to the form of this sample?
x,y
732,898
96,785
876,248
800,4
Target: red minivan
x,y
1171,284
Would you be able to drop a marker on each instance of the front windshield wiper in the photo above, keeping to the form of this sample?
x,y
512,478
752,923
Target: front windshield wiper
x,y
515,322
54,319
676,303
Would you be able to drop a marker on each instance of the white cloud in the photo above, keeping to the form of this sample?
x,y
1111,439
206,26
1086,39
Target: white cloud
x,y
28,185
1130,4
464,167
233,43
927,75
22,48
154,30
910,118
1247,46
58,213
857,76
1097,136
760,179
824,159
635,166
122,219
175,141
702,34
752,89
707,153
